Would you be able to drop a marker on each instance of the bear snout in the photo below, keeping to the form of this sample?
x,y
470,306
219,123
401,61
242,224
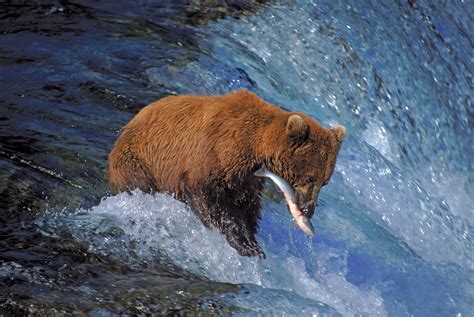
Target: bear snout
x,y
307,204
308,209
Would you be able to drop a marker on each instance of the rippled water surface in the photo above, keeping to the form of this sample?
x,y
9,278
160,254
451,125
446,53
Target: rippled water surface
x,y
394,226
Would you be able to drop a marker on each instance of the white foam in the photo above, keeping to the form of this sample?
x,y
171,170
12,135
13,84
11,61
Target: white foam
x,y
377,136
403,202
414,212
158,225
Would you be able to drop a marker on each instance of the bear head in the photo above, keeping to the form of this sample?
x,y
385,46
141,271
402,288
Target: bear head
x,y
307,158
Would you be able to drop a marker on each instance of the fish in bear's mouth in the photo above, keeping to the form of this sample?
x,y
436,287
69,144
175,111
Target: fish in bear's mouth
x,y
300,217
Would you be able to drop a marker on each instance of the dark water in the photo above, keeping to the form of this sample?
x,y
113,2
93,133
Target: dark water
x,y
394,226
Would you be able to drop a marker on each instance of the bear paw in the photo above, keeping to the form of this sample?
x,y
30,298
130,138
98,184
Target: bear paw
x,y
251,248
246,247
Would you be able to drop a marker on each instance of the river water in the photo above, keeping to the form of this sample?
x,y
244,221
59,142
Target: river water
x,y
394,227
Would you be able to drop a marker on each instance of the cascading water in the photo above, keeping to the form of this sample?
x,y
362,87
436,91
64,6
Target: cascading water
x,y
394,226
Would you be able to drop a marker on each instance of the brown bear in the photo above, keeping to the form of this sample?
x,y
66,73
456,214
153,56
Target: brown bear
x,y
205,150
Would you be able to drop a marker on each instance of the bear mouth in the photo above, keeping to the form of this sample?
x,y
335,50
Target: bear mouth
x,y
306,211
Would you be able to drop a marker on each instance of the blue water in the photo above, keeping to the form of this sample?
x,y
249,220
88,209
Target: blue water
x,y
394,227
397,218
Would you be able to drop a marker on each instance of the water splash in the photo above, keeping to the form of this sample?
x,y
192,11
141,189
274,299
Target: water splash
x,y
394,226
144,228
395,160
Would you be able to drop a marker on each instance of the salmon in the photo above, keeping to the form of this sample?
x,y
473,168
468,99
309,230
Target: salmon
x,y
301,220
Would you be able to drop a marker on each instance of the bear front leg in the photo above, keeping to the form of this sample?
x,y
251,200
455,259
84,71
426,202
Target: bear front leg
x,y
242,238
237,221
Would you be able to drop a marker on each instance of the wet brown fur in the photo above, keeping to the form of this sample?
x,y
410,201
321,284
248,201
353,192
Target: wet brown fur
x,y
205,149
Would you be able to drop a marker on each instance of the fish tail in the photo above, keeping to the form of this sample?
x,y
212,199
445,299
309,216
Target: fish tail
x,y
262,171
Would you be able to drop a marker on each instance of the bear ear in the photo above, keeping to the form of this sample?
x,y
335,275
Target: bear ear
x,y
339,132
297,129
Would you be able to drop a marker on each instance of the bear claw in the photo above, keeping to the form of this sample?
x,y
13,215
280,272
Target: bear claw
x,y
251,248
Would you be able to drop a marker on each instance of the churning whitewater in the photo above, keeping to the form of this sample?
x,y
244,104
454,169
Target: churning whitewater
x,y
158,226
393,228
